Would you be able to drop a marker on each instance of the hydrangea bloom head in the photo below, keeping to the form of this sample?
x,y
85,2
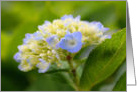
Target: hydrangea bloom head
x,y
54,41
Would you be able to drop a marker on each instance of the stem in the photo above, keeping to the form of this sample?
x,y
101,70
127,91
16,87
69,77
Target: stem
x,y
75,78
73,71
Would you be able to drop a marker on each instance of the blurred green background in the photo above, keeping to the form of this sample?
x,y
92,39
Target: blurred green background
x,y
21,17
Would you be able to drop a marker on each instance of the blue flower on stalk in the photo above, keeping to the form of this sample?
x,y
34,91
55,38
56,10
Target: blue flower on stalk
x,y
71,42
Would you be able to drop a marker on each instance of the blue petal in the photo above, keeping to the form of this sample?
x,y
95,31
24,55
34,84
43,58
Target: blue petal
x,y
17,56
105,29
108,36
52,41
67,31
20,68
37,36
66,24
45,69
47,22
67,17
41,27
42,60
69,36
77,36
70,17
27,38
28,35
99,26
78,18
23,69
64,44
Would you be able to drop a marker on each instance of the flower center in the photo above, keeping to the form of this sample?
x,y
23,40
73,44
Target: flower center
x,y
72,42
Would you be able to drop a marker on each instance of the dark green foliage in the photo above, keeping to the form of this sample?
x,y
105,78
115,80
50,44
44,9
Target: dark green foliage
x,y
104,60
121,84
52,82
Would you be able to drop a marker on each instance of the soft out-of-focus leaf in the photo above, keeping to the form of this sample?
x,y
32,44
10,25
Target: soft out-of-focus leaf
x,y
12,79
121,84
104,60
79,70
9,19
52,82
84,52
5,41
7,81
109,83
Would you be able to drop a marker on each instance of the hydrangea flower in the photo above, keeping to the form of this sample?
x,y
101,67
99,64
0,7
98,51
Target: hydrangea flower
x,y
71,42
54,41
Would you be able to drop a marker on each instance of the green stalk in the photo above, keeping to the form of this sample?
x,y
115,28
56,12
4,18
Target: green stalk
x,y
73,71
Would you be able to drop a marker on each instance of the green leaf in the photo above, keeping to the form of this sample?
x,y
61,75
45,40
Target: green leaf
x,y
121,84
104,60
109,83
84,52
52,82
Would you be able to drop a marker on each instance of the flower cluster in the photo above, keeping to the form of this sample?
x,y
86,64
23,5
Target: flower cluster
x,y
55,41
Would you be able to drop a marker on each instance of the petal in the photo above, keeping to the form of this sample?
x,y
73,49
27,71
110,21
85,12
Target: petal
x,y
17,56
44,70
69,36
28,35
105,29
67,17
99,26
41,60
78,18
41,27
27,38
77,36
25,68
108,36
43,66
52,41
64,44
47,23
37,36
